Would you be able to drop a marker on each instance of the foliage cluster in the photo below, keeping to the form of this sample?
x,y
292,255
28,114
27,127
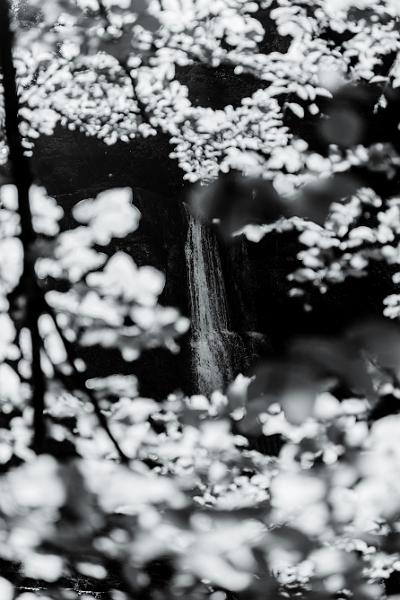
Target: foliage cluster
x,y
177,499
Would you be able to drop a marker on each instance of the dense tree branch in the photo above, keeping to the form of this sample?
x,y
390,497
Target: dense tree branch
x,y
28,290
23,179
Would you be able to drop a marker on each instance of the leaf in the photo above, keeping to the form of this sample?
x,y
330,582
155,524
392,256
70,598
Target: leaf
x,y
80,516
296,109
336,357
6,589
350,117
291,540
314,201
343,126
237,392
236,201
380,339
293,384
145,18
10,385
110,214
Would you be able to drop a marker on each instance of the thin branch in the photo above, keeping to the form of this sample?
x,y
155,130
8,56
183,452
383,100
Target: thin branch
x,y
380,103
23,179
81,381
140,104
123,64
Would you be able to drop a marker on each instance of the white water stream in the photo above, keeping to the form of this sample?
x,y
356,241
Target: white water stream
x,y
210,342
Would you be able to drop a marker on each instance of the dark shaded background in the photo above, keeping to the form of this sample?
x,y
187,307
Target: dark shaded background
x,y
73,166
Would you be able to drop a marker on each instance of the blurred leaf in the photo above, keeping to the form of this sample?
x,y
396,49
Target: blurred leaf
x,y
120,47
380,339
313,365
291,540
236,201
237,392
348,116
343,126
80,517
145,19
6,589
314,201
338,358
293,384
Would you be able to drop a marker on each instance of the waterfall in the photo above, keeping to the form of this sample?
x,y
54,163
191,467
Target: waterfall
x,y
210,343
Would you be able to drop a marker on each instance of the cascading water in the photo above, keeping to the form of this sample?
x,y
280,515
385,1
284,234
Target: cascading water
x,y
210,343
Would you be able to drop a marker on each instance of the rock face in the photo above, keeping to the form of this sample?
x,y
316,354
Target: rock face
x,y
72,167
210,282
207,281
